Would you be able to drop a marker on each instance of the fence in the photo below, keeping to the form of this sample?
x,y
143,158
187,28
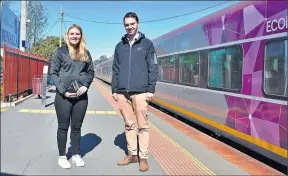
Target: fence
x,y
18,69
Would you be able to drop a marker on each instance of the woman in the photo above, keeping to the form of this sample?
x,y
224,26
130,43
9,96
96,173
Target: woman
x,y
72,72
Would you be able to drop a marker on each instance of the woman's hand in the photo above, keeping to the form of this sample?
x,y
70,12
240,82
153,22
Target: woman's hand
x,y
81,90
70,95
149,96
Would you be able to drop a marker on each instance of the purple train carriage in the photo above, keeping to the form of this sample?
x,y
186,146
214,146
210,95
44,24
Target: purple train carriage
x,y
228,72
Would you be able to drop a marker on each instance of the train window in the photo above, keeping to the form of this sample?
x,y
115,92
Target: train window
x,y
276,69
225,68
105,70
168,69
189,68
99,70
159,68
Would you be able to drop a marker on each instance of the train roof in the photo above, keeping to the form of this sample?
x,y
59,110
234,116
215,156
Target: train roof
x,y
227,10
105,62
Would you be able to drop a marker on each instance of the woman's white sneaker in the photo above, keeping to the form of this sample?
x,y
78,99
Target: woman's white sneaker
x,y
63,162
78,160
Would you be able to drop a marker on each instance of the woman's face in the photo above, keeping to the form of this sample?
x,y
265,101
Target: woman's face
x,y
74,36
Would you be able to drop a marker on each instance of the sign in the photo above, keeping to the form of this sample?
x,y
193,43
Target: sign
x,y
25,44
45,69
10,28
277,24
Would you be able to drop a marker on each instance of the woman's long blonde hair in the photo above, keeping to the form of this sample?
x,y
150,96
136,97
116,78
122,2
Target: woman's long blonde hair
x,y
81,53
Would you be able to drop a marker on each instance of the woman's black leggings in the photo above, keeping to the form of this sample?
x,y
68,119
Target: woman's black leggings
x,y
66,109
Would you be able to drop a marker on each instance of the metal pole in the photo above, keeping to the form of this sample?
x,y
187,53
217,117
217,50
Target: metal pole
x,y
18,75
23,23
1,18
29,75
44,86
2,58
27,25
61,20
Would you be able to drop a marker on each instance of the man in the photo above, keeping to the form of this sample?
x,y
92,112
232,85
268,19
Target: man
x,y
134,77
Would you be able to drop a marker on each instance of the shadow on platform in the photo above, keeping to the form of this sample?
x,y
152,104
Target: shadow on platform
x,y
52,91
39,97
49,104
6,174
87,144
120,141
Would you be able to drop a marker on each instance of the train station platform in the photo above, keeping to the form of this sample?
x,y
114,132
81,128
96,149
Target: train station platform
x,y
29,146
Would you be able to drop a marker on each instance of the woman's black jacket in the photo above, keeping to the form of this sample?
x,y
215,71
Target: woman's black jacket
x,y
64,70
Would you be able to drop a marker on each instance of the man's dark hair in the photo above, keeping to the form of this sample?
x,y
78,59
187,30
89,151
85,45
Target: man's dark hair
x,y
131,15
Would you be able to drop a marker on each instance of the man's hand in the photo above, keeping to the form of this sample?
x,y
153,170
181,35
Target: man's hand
x,y
115,97
69,95
81,90
149,96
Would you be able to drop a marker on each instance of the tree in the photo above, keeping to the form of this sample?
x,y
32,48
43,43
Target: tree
x,y
38,21
103,58
46,47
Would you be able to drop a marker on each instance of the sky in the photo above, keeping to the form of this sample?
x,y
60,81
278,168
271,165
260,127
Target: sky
x,y
101,38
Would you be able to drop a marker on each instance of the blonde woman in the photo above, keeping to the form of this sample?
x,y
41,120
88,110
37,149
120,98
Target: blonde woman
x,y
72,71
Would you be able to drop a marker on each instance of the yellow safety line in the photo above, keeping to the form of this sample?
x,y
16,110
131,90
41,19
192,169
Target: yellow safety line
x,y
3,109
183,150
43,111
24,110
90,112
100,112
47,111
111,112
35,111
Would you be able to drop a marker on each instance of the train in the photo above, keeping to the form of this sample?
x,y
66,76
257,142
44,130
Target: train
x,y
228,72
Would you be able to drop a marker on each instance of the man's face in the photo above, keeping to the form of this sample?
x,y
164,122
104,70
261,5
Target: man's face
x,y
131,25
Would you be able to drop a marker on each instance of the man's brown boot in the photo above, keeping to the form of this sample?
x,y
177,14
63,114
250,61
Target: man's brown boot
x,y
129,159
143,166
